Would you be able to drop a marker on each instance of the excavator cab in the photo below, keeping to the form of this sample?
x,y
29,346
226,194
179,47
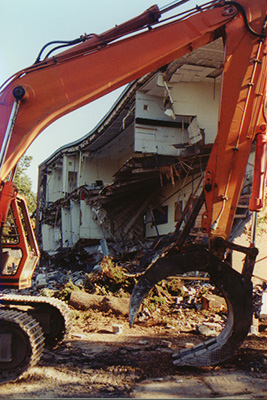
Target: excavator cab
x,y
19,252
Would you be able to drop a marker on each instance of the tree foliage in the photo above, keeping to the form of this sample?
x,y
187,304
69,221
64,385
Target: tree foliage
x,y
24,183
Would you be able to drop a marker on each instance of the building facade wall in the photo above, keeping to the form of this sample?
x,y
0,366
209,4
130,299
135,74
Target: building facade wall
x,y
189,100
169,137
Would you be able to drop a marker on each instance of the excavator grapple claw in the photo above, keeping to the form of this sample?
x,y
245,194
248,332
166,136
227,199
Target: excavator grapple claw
x,y
236,290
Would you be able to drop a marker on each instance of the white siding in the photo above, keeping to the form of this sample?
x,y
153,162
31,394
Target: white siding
x,y
54,185
75,221
51,237
158,140
88,228
66,227
190,100
199,99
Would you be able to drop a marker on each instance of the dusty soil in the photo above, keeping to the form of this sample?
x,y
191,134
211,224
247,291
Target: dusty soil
x,y
95,362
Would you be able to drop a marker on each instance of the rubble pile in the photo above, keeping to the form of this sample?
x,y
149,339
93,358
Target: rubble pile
x,y
186,304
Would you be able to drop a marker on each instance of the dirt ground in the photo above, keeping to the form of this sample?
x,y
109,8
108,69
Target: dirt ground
x,y
93,362
137,363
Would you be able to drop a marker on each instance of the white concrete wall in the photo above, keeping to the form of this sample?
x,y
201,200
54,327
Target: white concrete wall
x,y
75,220
150,106
158,140
190,100
78,220
66,227
88,227
51,237
54,185
199,99
70,173
95,168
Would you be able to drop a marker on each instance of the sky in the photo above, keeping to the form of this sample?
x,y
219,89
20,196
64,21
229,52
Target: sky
x,y
26,25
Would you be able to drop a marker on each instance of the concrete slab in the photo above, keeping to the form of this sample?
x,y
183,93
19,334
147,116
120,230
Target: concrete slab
x,y
236,384
172,389
224,385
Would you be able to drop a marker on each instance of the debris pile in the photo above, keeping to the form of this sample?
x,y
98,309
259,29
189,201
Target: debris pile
x,y
184,304
91,279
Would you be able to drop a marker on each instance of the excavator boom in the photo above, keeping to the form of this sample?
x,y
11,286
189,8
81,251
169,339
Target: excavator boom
x,y
241,118
65,82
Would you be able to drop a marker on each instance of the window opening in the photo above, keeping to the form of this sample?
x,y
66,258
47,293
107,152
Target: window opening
x,y
160,215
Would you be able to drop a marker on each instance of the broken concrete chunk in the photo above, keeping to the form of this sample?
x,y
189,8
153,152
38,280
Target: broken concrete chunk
x,y
117,329
97,268
178,300
40,281
204,330
209,301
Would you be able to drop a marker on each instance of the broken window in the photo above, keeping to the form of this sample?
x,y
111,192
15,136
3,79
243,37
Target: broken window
x,y
160,215
72,181
178,210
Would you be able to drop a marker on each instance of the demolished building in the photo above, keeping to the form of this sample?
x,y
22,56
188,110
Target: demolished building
x,y
130,178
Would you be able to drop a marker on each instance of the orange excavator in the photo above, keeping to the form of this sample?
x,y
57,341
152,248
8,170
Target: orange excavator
x,y
59,82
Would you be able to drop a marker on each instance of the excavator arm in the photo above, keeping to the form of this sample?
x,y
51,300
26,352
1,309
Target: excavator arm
x,y
65,82
36,96
242,119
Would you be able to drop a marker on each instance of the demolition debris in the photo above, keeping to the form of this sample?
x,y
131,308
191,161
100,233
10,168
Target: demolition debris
x,y
184,304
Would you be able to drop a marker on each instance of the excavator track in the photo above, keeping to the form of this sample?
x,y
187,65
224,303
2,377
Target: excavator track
x,y
22,344
236,290
52,314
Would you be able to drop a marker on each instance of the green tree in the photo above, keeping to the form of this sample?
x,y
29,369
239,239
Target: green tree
x,y
24,183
